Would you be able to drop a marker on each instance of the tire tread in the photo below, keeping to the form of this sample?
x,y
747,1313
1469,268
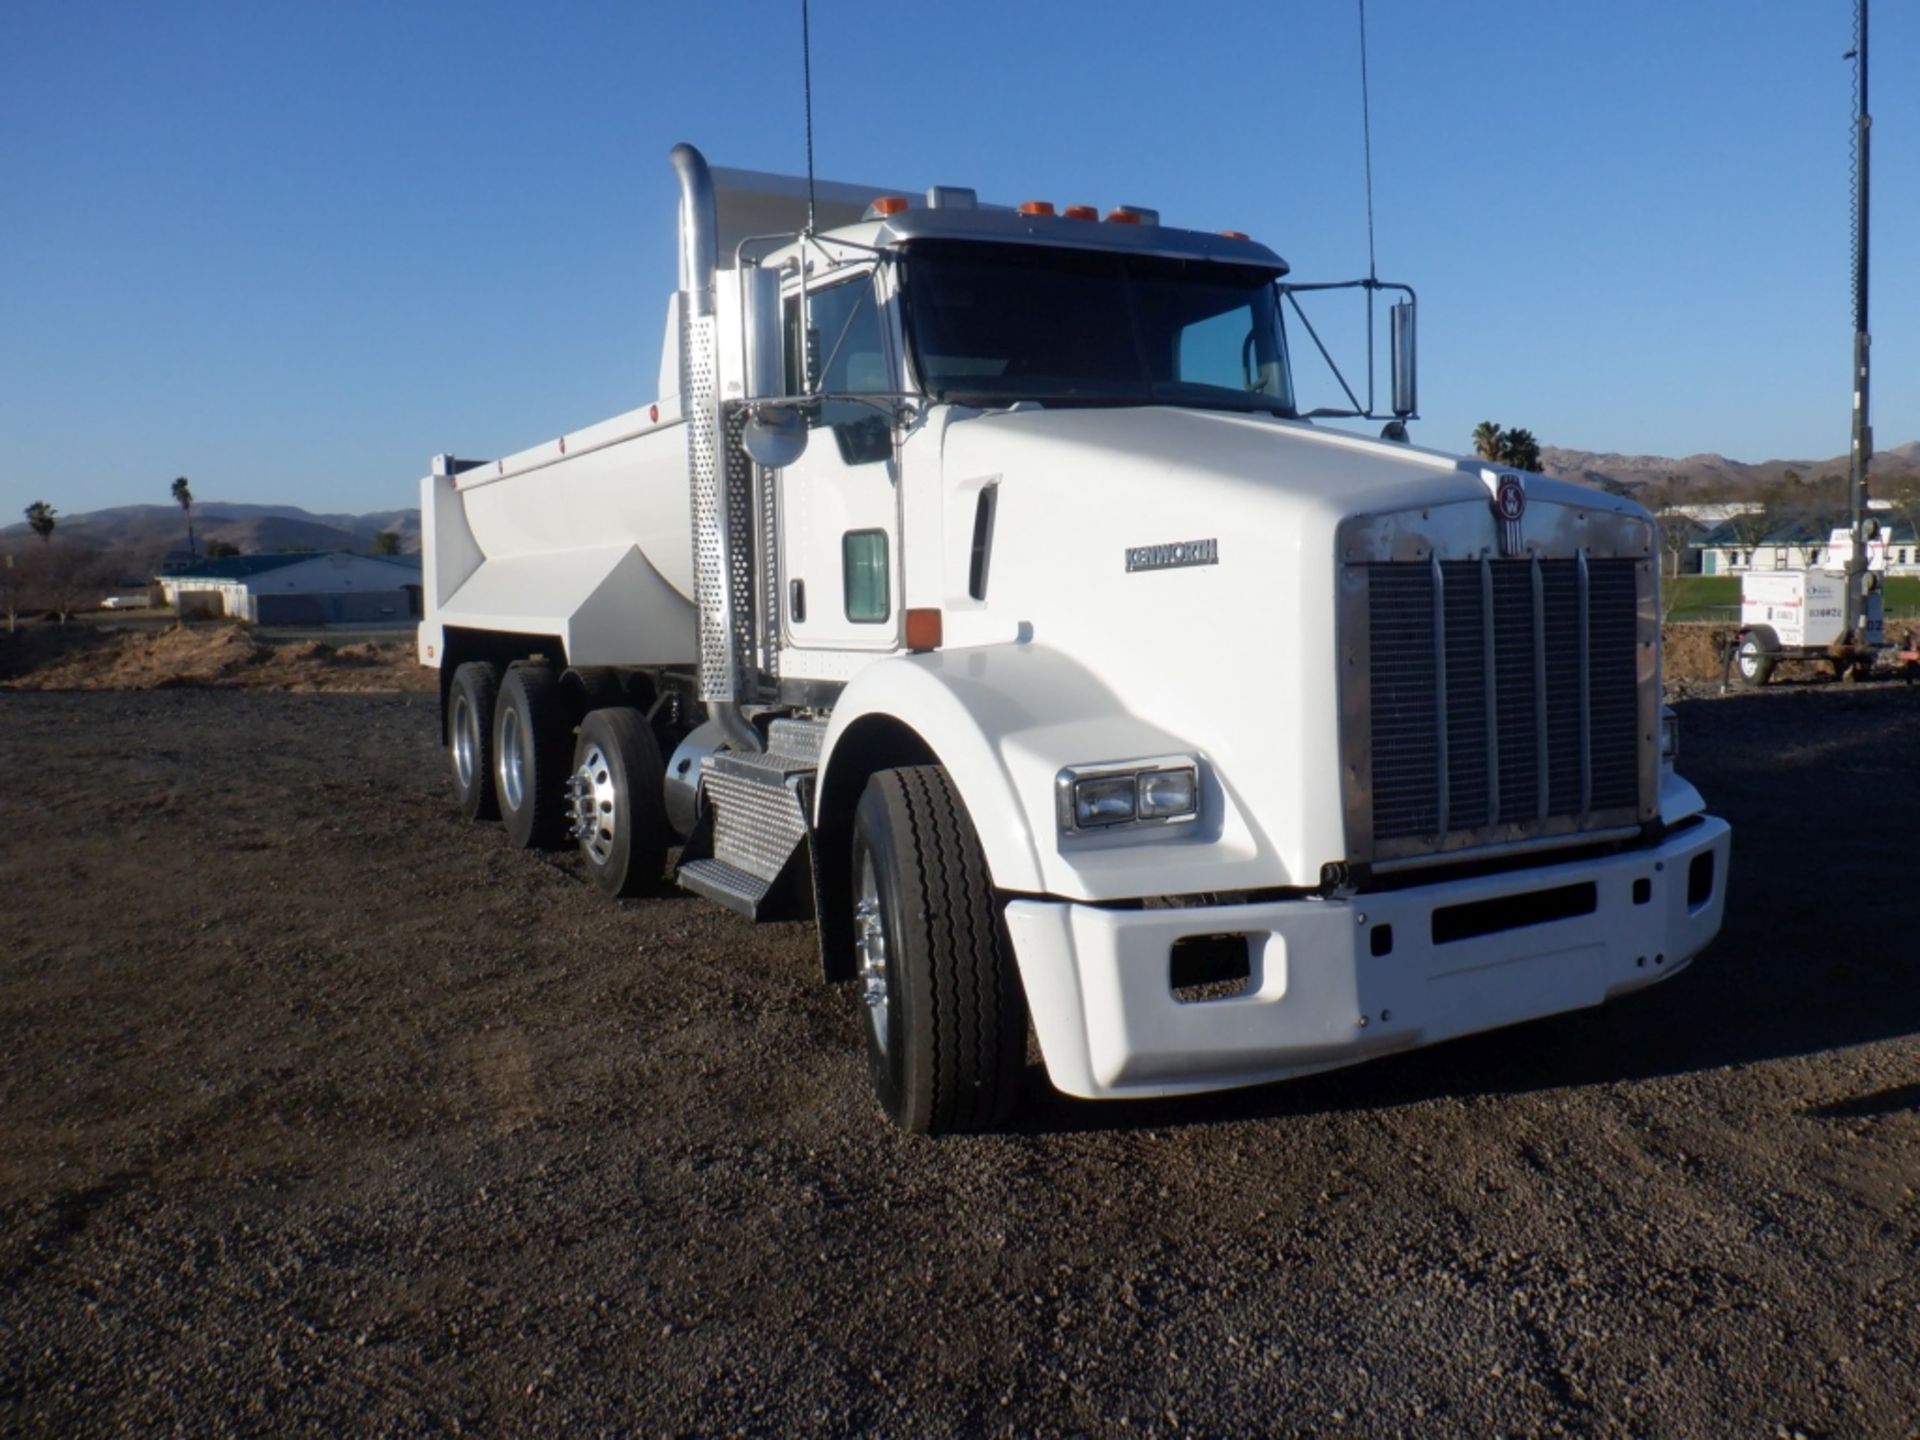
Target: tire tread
x,y
550,751
974,1021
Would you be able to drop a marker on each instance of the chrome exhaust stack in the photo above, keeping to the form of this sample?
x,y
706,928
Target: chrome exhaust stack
x,y
713,560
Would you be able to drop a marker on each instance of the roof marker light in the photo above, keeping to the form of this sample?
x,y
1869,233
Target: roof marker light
x,y
1121,215
1234,234
1081,212
1036,207
885,205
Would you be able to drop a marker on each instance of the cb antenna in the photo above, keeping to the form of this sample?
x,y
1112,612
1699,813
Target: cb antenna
x,y
806,73
1366,137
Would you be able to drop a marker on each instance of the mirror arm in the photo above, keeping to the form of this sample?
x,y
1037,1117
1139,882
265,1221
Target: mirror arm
x,y
1352,399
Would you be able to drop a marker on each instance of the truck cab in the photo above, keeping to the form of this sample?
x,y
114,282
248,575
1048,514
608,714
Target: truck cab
x,y
977,588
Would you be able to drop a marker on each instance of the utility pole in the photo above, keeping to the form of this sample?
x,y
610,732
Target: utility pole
x,y
1858,578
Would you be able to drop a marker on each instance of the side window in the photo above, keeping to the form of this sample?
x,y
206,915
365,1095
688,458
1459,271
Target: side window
x,y
863,558
840,350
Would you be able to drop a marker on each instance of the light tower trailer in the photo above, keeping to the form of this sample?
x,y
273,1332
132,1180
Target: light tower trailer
x,y
1802,615
974,587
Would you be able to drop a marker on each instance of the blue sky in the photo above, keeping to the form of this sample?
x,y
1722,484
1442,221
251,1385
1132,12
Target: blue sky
x,y
292,250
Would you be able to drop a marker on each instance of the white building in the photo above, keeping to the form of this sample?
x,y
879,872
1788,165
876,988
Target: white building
x,y
298,589
1798,546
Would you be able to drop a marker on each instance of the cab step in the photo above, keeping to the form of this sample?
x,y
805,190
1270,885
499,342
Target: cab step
x,y
749,850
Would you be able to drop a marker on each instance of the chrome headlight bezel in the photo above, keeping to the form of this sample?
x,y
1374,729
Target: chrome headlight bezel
x,y
1100,779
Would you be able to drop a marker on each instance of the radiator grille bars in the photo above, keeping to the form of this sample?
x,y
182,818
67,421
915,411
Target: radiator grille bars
x,y
1503,693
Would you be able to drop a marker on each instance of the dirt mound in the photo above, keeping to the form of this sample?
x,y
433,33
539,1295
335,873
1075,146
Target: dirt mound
x,y
216,656
1696,651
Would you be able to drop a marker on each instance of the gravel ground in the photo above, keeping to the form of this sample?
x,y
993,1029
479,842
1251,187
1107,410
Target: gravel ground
x,y
321,1111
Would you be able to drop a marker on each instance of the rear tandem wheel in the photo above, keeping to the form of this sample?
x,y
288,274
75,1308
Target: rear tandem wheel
x,y
616,802
475,689
532,748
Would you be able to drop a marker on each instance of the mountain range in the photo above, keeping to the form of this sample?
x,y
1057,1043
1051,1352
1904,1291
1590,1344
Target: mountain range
x,y
154,536
1716,472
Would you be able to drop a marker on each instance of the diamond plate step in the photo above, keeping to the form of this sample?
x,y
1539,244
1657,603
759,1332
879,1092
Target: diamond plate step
x,y
749,852
797,739
732,887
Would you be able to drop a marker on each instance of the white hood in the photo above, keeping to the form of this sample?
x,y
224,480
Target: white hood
x,y
1233,657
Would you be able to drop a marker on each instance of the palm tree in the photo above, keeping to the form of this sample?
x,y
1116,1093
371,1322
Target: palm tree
x,y
1486,440
183,497
1519,449
42,517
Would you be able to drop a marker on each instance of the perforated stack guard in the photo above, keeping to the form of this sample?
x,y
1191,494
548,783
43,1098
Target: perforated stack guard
x,y
712,590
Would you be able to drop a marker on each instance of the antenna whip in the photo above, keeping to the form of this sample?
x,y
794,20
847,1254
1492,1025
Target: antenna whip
x,y
806,72
1366,133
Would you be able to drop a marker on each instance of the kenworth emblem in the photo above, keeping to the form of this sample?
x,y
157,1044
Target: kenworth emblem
x,y
1509,500
1171,557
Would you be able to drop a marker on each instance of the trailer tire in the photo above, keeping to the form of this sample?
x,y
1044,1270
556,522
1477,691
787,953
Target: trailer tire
x,y
470,706
616,802
947,1022
532,747
1753,662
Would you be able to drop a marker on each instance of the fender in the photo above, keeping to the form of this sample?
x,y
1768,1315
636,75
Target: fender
x,y
1003,720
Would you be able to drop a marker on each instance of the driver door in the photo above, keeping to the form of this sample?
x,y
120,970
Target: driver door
x,y
839,512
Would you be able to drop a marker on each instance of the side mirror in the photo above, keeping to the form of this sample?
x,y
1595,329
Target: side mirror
x,y
774,436
760,292
1403,362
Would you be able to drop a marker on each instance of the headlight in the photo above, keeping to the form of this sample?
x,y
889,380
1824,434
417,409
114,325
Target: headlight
x,y
1669,736
1133,792
1165,794
1110,801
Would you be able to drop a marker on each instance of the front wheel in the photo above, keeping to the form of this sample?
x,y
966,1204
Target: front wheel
x,y
946,1021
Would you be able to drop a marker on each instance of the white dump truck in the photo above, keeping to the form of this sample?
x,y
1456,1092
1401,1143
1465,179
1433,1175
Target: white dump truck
x,y
975,587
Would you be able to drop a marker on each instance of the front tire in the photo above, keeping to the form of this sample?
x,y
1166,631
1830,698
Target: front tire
x,y
616,802
470,706
532,745
946,1020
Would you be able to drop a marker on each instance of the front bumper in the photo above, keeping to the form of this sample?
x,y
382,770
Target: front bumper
x,y
1318,995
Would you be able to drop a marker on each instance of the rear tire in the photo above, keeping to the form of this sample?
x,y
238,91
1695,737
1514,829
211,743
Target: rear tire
x,y
470,706
532,745
946,1020
616,802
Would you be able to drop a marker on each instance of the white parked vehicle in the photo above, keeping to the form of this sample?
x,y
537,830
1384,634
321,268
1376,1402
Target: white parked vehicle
x,y
974,586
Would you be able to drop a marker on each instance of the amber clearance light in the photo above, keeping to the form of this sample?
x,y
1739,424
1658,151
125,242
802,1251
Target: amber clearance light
x,y
923,630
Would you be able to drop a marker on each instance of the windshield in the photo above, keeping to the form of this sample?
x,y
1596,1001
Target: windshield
x,y
992,324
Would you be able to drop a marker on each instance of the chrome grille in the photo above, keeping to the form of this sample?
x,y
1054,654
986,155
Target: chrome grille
x,y
1504,697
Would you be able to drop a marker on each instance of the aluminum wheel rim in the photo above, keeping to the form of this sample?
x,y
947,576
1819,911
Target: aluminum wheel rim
x,y
466,742
1748,659
870,944
513,760
591,802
